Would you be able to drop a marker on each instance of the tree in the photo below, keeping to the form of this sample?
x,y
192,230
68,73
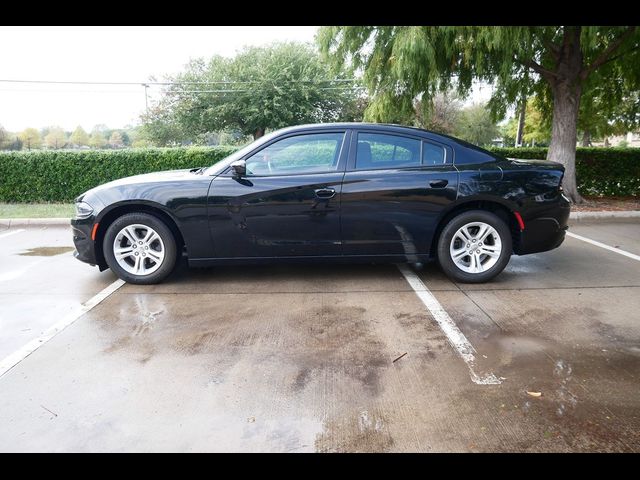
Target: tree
x,y
608,109
97,139
261,88
441,114
555,62
30,138
56,138
537,127
4,138
115,140
476,125
79,137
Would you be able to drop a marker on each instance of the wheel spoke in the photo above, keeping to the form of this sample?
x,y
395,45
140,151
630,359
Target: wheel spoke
x,y
155,256
491,250
130,234
150,237
457,255
123,252
473,263
464,232
483,230
136,264
461,237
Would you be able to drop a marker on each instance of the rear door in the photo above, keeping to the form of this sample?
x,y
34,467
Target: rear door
x,y
394,190
289,202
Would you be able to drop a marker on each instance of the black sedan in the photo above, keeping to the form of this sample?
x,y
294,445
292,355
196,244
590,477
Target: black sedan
x,y
349,192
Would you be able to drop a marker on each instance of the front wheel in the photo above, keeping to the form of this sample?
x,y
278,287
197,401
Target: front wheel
x,y
474,247
140,248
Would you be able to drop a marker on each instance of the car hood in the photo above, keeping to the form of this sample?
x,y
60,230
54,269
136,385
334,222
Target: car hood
x,y
146,178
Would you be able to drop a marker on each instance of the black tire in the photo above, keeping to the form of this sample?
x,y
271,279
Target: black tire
x,y
446,236
168,240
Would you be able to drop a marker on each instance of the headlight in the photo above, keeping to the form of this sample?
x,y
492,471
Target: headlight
x,y
83,210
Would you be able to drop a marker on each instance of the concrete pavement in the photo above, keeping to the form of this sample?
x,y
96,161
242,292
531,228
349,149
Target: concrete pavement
x,y
301,358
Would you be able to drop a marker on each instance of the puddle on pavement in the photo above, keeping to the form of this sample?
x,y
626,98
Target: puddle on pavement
x,y
45,251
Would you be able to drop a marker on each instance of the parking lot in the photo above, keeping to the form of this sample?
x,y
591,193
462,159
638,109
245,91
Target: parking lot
x,y
310,358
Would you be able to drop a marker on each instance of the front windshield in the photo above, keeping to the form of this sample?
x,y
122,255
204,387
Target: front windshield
x,y
223,164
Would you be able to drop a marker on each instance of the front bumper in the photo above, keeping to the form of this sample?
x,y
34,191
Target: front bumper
x,y
85,247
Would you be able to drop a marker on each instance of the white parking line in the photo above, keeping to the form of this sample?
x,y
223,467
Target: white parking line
x,y
16,357
12,232
456,338
606,247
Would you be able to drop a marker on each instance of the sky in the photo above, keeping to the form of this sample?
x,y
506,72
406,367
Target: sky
x,y
109,54
106,54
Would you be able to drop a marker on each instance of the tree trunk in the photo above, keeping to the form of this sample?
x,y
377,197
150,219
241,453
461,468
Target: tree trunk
x,y
586,138
566,86
520,132
258,133
564,133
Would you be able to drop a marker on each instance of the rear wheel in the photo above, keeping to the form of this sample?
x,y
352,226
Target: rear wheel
x,y
140,248
474,247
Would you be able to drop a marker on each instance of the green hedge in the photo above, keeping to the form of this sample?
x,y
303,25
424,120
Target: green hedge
x,y
60,176
599,171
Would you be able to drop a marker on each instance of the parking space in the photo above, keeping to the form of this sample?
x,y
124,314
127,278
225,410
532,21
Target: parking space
x,y
324,357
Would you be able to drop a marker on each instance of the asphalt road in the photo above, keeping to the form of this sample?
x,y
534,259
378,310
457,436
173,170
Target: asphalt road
x,y
301,358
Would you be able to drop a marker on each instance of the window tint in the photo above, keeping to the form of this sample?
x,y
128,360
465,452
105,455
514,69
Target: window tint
x,y
377,150
432,154
310,153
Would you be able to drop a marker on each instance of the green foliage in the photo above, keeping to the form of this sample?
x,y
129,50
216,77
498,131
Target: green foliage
x,y
56,138
475,125
97,139
261,88
403,62
61,175
599,171
557,64
441,114
4,138
79,137
30,138
116,140
537,126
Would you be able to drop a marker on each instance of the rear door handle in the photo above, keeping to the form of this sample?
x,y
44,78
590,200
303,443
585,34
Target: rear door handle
x,y
438,183
325,192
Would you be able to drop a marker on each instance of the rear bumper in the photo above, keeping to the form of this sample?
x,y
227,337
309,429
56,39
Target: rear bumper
x,y
546,231
85,247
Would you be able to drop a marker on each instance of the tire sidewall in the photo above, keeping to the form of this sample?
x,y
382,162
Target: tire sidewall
x,y
444,242
161,228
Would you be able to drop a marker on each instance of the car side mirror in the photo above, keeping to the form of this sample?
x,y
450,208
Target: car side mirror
x,y
239,168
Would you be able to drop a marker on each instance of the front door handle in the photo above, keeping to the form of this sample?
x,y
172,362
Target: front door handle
x,y
438,183
325,192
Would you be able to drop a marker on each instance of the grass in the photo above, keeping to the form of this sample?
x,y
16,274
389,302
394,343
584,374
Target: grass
x,y
36,210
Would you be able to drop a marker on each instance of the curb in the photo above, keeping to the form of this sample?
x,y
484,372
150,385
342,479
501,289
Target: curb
x,y
603,216
574,216
33,222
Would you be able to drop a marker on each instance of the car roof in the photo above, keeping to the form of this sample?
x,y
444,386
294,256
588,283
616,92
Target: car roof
x,y
388,127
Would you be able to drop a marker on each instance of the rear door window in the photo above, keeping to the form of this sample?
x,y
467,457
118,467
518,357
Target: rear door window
x,y
379,150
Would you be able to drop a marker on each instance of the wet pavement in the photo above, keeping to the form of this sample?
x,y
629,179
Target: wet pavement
x,y
301,358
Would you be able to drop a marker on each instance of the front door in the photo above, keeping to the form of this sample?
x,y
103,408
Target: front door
x,y
287,205
394,190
